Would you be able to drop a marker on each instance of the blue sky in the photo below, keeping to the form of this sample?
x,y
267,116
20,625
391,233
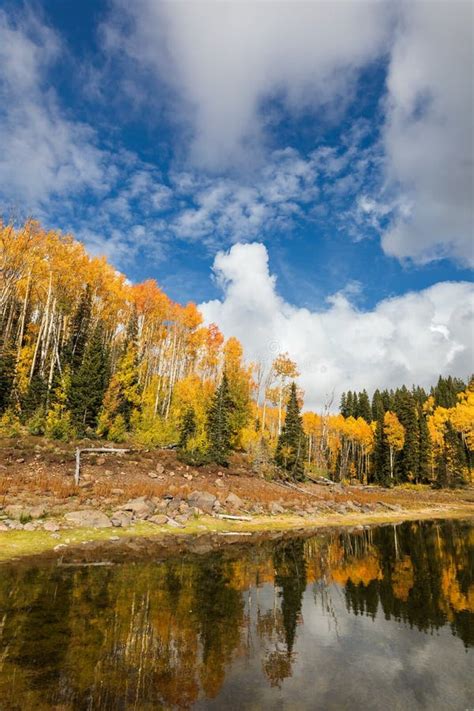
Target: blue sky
x,y
337,135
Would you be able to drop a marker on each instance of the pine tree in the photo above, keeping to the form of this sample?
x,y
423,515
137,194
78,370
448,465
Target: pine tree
x,y
381,458
76,344
349,404
364,410
7,375
405,408
377,405
291,448
89,382
218,423
188,427
343,406
123,395
424,447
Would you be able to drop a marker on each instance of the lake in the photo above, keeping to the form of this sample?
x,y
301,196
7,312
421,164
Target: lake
x,y
379,618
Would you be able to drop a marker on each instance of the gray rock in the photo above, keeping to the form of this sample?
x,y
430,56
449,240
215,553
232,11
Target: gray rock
x,y
88,519
31,526
141,507
3,526
153,475
51,526
234,501
121,519
159,519
182,518
174,524
276,508
160,468
202,500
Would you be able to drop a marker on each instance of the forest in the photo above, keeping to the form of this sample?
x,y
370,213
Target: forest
x,y
84,353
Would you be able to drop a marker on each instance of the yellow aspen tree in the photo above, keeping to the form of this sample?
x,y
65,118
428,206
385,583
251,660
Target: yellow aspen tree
x,y
394,432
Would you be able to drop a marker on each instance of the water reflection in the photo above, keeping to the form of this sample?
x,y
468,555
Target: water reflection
x,y
308,623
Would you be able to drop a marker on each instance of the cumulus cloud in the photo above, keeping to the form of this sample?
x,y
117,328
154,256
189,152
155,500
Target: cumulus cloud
x,y
43,152
225,58
404,340
428,133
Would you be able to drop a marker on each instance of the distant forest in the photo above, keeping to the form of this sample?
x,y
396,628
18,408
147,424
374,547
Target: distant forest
x,y
84,353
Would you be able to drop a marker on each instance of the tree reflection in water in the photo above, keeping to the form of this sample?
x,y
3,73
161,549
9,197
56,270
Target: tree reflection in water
x,y
153,635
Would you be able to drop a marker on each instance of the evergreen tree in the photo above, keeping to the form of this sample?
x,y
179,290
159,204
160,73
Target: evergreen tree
x,y
446,391
424,447
7,375
364,410
405,408
89,382
188,427
349,404
381,458
377,405
76,344
343,406
218,423
291,447
451,466
123,394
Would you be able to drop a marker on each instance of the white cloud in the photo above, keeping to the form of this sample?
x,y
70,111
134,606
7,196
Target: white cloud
x,y
43,152
429,132
225,58
404,340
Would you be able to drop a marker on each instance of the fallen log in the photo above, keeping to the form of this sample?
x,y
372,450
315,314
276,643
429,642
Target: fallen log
x,y
233,518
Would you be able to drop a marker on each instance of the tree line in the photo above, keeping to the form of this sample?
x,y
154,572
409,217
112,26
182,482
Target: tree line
x,y
84,353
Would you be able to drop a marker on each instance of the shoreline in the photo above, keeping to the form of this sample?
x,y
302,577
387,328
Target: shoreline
x,y
18,546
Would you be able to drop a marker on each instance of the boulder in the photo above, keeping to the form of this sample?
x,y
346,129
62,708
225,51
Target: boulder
x,y
51,526
234,501
182,518
276,508
88,518
121,519
202,500
141,507
159,519
3,526
160,468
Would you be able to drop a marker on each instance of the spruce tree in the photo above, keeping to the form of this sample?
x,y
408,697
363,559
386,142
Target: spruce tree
x,y
405,408
7,375
381,458
343,406
424,447
291,448
76,344
187,428
218,424
364,410
89,382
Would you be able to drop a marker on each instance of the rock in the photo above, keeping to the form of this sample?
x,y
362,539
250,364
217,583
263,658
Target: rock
x,y
173,505
160,468
15,526
20,460
15,511
219,483
121,519
153,475
117,492
159,519
174,524
234,501
30,526
51,526
88,518
36,511
220,473
3,526
182,518
141,507
187,476
86,484
202,500
100,461
276,508
183,507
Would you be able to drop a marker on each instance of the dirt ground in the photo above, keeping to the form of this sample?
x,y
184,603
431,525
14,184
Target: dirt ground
x,y
34,470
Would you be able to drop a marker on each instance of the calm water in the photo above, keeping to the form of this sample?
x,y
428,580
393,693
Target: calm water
x,y
378,619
